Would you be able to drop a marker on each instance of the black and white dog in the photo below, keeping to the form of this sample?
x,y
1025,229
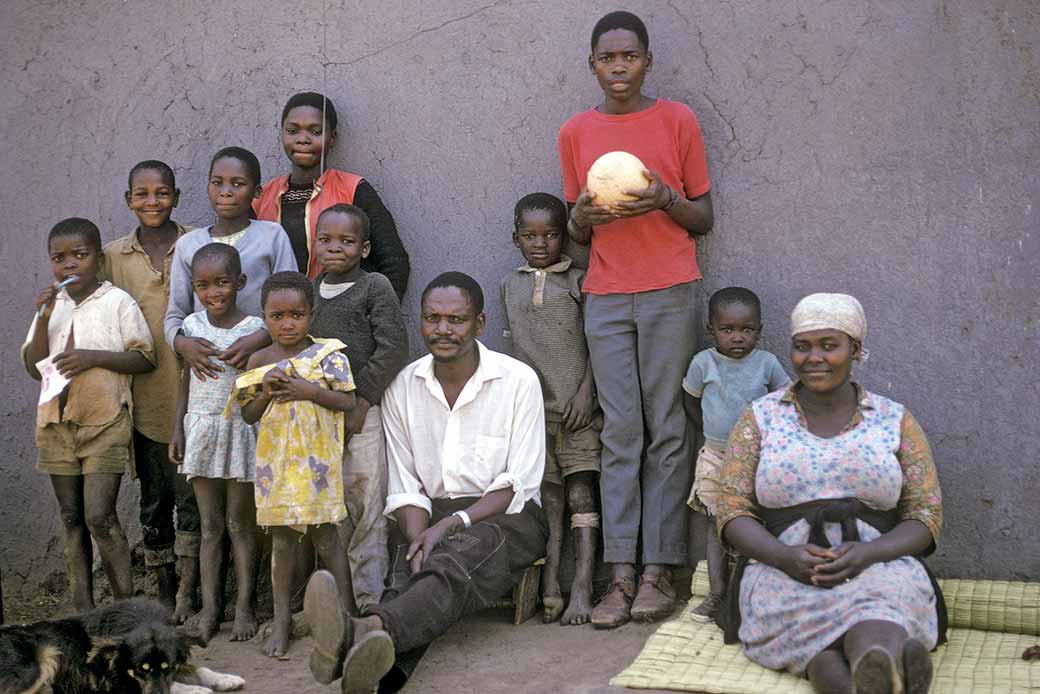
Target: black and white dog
x,y
129,647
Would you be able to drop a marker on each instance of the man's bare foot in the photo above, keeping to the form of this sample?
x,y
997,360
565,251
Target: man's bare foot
x,y
245,625
579,610
277,644
552,607
208,624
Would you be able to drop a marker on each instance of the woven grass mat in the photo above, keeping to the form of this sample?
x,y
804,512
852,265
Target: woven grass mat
x,y
1009,606
688,656
979,658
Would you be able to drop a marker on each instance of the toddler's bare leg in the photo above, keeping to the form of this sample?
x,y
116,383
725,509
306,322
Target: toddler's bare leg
x,y
100,491
717,563
330,549
241,525
283,552
552,597
211,495
78,549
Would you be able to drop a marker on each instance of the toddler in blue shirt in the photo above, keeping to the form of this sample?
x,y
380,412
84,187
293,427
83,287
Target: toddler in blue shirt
x,y
719,384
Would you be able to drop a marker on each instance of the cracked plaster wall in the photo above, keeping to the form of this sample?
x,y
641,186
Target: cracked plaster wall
x,y
883,148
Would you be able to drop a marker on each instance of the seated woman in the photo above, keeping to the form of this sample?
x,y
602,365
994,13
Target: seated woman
x,y
829,494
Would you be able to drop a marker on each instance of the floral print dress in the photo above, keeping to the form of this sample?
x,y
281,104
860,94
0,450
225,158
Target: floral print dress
x,y
299,444
773,461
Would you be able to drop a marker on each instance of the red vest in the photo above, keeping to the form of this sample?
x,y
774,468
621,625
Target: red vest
x,y
331,188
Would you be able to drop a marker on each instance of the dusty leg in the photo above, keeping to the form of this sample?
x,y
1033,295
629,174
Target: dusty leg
x,y
829,673
78,550
210,494
330,550
716,558
188,581
283,569
241,525
100,491
552,597
581,499
187,538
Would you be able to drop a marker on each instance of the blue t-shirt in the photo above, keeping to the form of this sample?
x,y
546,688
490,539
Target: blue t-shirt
x,y
726,386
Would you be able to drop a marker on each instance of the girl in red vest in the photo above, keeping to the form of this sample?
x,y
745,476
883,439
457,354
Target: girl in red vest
x,y
296,199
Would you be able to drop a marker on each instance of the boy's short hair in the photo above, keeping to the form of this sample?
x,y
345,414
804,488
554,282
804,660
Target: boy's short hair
x,y
243,155
354,210
621,20
540,201
288,279
76,226
315,100
224,252
733,295
152,165
459,280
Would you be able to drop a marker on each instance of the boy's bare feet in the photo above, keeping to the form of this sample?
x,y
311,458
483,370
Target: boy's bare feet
x,y
579,610
186,606
208,624
277,644
245,625
552,605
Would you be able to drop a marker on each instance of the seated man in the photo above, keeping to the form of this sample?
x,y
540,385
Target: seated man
x,y
465,436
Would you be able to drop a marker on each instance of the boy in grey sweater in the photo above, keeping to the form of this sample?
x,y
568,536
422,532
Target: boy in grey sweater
x,y
360,309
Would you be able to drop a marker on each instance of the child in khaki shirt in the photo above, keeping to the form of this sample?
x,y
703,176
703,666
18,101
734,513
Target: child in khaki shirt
x,y
139,264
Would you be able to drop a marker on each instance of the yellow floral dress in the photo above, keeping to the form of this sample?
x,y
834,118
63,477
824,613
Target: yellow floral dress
x,y
299,445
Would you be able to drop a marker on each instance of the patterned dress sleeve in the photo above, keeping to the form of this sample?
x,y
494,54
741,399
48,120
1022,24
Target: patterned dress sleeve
x,y
738,471
248,387
921,498
336,368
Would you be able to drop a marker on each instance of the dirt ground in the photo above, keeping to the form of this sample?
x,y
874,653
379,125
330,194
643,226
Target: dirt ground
x,y
482,654
485,653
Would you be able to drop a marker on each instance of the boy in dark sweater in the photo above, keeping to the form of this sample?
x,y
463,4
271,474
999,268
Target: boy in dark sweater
x,y
360,309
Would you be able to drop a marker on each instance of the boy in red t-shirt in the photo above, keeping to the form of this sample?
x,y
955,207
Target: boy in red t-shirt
x,y
639,317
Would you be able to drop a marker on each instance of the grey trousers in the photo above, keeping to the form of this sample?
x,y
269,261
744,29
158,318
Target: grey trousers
x,y
641,345
364,531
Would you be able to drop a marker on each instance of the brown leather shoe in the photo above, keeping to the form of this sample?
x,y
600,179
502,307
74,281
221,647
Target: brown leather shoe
x,y
656,598
614,609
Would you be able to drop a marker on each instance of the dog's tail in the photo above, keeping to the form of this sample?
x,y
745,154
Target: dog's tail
x,y
48,663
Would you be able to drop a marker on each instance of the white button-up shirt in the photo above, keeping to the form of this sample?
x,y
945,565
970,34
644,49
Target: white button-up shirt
x,y
493,438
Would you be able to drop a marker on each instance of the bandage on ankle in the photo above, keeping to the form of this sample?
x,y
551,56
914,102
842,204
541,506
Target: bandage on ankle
x,y
584,520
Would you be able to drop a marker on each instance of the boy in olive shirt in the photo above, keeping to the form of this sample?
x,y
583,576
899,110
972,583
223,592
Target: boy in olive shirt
x,y
139,264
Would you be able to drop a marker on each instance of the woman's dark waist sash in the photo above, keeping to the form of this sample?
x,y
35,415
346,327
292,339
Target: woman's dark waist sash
x,y
817,514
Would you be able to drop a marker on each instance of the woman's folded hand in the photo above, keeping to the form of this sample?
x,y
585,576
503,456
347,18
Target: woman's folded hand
x,y
800,561
846,561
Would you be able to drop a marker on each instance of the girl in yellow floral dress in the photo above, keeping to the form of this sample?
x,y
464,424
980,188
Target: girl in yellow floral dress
x,y
297,389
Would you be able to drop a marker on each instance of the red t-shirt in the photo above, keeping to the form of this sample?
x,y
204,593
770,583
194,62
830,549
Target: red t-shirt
x,y
649,252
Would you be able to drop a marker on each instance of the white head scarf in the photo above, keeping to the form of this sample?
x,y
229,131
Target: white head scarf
x,y
834,312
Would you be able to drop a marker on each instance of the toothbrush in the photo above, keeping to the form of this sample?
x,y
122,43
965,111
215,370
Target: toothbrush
x,y
61,285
